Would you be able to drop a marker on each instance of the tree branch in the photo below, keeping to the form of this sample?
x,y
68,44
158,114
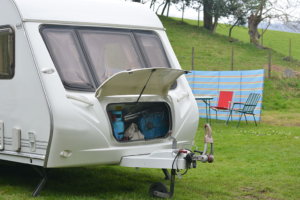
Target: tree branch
x,y
259,8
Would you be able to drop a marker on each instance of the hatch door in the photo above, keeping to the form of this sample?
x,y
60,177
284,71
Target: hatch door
x,y
132,82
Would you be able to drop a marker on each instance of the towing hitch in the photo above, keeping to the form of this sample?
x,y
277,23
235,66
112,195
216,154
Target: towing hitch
x,y
159,189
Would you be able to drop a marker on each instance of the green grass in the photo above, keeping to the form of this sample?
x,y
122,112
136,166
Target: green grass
x,y
277,40
250,163
213,52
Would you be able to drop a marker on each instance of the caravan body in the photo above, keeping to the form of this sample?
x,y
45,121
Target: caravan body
x,y
67,66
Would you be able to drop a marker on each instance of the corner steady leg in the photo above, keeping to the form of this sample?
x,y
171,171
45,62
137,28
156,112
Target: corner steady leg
x,y
167,174
159,189
44,173
173,173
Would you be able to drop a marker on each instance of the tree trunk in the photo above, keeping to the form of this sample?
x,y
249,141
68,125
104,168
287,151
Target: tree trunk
x,y
168,9
139,1
253,22
152,3
167,2
159,7
198,16
207,7
182,12
232,27
215,24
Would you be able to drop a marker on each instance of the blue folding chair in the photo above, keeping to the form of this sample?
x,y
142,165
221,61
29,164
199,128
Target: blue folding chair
x,y
248,108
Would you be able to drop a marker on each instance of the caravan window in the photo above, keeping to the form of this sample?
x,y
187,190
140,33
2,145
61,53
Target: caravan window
x,y
6,52
68,58
86,57
110,51
152,49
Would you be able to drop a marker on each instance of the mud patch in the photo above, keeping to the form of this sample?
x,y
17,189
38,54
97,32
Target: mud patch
x,y
255,194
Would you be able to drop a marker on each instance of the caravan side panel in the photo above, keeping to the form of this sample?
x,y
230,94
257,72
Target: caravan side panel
x,y
23,104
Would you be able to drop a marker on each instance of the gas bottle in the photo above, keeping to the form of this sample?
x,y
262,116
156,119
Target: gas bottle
x,y
119,125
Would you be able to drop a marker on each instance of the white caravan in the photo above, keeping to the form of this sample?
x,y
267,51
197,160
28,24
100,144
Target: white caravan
x,y
92,82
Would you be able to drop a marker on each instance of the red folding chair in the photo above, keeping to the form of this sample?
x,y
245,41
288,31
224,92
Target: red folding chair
x,y
224,103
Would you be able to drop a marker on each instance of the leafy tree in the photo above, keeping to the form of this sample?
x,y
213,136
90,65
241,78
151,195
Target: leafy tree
x,y
214,9
197,4
238,12
182,4
281,11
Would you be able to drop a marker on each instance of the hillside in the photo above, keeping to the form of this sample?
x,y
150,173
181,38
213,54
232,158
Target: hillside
x,y
277,40
213,52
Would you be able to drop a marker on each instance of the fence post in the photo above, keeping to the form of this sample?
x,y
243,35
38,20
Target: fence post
x,y
290,50
232,59
270,62
262,39
193,58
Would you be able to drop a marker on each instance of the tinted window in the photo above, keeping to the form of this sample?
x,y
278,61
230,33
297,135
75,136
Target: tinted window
x,y
152,49
110,52
6,52
68,58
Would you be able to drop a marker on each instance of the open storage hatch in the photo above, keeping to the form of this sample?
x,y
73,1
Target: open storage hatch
x,y
139,120
144,121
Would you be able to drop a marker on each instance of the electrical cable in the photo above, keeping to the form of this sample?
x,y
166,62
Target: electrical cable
x,y
187,167
174,160
185,171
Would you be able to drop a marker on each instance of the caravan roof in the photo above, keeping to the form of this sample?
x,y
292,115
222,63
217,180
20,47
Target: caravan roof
x,y
90,12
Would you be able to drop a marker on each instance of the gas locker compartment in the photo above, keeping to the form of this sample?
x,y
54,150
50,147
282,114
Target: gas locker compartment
x,y
142,121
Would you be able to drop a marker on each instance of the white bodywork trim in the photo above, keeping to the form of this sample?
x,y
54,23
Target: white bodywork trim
x,y
88,12
102,25
158,159
27,155
81,99
46,98
183,96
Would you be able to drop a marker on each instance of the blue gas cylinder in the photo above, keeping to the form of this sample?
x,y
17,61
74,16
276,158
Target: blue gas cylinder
x,y
119,125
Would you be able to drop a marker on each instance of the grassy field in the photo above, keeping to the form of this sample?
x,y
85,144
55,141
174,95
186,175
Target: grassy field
x,y
213,52
277,40
250,162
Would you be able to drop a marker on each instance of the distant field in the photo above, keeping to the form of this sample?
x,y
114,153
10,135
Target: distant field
x,y
277,40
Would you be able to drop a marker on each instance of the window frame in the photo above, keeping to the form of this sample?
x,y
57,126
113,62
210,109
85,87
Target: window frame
x,y
13,52
90,69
